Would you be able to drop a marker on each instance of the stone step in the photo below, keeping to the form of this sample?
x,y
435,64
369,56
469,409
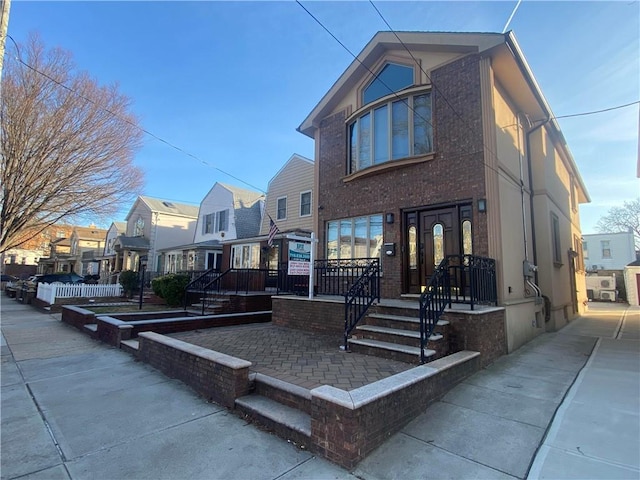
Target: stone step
x,y
399,334
131,346
92,327
286,422
398,321
394,351
283,392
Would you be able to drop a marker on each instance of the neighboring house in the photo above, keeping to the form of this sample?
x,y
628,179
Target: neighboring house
x,y
289,204
109,256
608,251
58,259
153,224
87,245
451,149
226,213
36,249
61,256
631,275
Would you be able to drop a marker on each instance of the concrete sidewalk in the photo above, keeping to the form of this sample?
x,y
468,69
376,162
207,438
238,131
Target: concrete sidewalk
x,y
492,424
75,408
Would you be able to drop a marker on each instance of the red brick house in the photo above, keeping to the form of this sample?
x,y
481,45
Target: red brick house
x,y
439,144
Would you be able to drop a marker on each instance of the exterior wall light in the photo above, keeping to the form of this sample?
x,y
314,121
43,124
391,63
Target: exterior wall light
x,y
389,218
482,205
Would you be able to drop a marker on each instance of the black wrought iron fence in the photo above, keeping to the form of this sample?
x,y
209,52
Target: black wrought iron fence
x,y
360,296
461,279
336,277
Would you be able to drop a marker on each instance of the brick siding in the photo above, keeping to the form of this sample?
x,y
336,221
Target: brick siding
x,y
455,175
216,376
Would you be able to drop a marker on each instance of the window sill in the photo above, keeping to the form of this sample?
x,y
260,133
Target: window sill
x,y
375,169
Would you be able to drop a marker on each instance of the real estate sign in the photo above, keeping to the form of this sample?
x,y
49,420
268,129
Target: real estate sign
x,y
299,258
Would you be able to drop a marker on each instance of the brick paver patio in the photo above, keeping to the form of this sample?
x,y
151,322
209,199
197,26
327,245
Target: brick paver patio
x,y
304,359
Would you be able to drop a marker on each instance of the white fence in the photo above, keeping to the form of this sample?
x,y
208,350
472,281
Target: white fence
x,y
48,292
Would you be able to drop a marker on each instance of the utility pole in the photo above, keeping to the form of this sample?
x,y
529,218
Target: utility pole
x,y
4,26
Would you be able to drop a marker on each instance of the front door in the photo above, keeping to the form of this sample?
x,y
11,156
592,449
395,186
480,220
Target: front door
x,y
431,236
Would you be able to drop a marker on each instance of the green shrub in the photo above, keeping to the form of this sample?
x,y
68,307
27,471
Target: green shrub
x,y
129,281
171,288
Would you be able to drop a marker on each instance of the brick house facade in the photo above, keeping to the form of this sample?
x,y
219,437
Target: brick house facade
x,y
494,181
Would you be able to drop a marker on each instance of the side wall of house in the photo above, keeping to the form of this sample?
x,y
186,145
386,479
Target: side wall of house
x,y
553,204
524,313
296,177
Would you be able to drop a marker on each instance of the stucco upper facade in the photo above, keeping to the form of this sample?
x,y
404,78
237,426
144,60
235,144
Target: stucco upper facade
x,y
486,167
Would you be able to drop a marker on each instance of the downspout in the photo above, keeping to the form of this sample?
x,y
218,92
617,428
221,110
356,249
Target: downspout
x,y
526,263
532,217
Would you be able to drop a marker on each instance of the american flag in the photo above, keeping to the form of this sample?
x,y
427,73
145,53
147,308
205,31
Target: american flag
x,y
273,231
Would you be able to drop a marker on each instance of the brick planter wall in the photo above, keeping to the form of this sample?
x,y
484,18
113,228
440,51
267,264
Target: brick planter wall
x,y
325,317
214,375
482,332
347,426
77,316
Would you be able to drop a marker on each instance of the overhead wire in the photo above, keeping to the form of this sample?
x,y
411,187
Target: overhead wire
x,y
128,121
376,77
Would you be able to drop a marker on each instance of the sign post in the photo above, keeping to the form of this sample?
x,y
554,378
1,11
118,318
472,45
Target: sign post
x,y
302,257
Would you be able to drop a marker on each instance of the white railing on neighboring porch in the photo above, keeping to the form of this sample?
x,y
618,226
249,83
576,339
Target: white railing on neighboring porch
x,y
48,292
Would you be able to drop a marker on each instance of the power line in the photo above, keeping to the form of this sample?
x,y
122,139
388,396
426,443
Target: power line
x,y
126,120
375,77
593,112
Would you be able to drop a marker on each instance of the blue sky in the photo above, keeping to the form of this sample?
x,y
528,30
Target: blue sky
x,y
229,82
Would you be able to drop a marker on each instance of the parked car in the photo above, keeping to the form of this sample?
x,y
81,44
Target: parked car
x,y
59,278
8,278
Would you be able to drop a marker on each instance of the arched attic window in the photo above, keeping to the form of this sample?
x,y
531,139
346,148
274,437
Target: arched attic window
x,y
392,78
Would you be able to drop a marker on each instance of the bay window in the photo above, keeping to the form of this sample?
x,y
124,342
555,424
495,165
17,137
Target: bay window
x,y
397,129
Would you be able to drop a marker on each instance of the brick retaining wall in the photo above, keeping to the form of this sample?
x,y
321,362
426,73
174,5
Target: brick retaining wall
x,y
214,375
480,331
347,426
326,317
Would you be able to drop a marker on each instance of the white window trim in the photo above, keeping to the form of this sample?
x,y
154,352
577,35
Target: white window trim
x,y
310,203
239,248
286,208
353,165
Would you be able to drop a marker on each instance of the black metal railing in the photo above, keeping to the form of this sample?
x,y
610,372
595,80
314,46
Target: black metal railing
x,y
199,284
433,300
473,279
460,279
360,296
336,277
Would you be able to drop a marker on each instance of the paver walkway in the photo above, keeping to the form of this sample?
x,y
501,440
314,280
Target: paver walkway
x,y
304,359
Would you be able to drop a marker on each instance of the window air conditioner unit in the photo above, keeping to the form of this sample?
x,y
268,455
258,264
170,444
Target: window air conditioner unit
x,y
605,283
609,295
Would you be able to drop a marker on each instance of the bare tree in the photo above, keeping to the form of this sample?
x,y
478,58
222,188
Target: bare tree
x,y
623,219
67,145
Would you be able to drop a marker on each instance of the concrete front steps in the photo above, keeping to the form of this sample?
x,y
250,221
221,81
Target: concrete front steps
x,y
281,407
214,304
394,333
